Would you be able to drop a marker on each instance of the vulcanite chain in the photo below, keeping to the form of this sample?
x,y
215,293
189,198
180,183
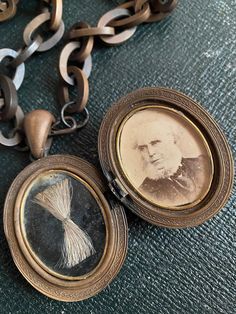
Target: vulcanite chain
x,y
113,28
75,62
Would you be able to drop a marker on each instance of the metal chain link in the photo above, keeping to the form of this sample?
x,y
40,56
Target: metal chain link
x,y
75,63
35,38
113,28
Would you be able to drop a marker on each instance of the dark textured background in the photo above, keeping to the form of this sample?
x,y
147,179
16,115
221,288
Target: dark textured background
x,y
166,271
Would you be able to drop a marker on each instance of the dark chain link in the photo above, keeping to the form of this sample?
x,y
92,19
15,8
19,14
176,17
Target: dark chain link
x,y
35,39
113,28
75,64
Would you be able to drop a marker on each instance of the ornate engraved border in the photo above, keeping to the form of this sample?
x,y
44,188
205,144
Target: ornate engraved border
x,y
56,288
223,161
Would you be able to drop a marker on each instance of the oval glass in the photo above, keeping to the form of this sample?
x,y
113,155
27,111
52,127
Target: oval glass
x,y
63,225
165,157
35,223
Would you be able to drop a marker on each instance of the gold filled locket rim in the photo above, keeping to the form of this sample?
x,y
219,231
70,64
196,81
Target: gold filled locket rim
x,y
38,277
20,226
222,158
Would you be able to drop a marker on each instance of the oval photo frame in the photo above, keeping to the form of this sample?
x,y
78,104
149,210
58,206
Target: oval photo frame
x,y
165,158
38,229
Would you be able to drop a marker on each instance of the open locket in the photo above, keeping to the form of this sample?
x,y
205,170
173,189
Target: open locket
x,y
164,158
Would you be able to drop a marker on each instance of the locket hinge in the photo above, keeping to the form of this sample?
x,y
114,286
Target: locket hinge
x,y
116,187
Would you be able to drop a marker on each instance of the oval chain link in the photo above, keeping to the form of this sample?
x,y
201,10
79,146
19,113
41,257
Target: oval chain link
x,y
26,52
82,88
56,9
75,64
113,28
10,99
138,18
19,71
33,27
86,42
51,20
16,137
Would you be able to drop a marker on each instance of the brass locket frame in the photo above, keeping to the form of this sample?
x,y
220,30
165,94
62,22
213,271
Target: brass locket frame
x,y
222,180
57,287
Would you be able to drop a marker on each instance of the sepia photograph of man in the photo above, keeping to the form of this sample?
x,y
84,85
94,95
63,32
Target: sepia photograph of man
x,y
171,179
174,172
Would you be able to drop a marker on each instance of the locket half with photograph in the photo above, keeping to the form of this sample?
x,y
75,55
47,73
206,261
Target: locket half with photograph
x,y
165,158
161,154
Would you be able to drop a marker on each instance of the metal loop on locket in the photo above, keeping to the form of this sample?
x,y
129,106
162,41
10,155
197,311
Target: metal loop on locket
x,y
79,125
62,131
16,138
35,24
20,70
71,124
121,37
65,57
10,99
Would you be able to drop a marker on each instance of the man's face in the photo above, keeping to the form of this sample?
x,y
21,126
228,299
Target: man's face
x,y
159,152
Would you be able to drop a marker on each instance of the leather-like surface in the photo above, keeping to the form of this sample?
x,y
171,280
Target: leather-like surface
x,y
166,271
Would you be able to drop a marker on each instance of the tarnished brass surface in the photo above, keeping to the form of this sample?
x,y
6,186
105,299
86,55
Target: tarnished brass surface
x,y
37,127
116,232
217,148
